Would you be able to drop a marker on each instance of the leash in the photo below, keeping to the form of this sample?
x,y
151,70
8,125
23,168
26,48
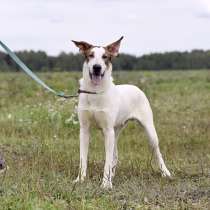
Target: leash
x,y
37,79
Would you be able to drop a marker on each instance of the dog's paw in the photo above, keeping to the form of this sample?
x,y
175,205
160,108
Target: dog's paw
x,y
106,185
166,173
79,179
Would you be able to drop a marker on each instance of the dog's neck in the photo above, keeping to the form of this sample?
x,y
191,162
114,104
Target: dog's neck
x,y
106,83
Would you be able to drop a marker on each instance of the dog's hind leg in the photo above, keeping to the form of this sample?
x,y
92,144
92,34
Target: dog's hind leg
x,y
147,121
153,140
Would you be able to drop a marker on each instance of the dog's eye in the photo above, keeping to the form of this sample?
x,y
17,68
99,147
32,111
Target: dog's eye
x,y
91,55
104,56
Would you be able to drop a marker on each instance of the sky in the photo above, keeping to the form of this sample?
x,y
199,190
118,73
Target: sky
x,y
148,26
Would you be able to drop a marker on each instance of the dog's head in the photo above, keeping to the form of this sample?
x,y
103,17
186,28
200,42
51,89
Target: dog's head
x,y
98,59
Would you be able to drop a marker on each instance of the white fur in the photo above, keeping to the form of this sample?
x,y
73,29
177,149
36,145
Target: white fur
x,y
111,109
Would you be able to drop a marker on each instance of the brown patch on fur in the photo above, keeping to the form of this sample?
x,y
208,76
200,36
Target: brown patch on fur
x,y
89,54
84,47
107,57
113,48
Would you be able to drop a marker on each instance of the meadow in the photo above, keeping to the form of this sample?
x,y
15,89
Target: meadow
x,y
39,138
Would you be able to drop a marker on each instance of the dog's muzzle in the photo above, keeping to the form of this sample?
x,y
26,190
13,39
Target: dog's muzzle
x,y
96,76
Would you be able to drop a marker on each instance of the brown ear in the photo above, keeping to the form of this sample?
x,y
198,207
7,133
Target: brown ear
x,y
83,46
113,48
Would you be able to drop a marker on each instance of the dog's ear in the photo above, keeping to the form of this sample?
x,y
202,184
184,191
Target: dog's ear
x,y
113,49
83,46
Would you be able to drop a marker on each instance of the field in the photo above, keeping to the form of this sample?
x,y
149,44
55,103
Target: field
x,y
39,139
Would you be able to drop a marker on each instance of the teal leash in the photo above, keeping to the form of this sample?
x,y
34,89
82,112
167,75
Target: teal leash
x,y
34,77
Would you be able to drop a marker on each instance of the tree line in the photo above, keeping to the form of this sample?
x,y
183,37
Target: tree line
x,y
40,61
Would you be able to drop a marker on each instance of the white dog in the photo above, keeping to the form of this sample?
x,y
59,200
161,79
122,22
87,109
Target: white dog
x,y
111,108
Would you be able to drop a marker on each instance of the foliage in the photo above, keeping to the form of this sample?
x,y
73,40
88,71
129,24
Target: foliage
x,y
40,61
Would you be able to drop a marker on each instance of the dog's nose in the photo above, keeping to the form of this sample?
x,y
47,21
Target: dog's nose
x,y
97,69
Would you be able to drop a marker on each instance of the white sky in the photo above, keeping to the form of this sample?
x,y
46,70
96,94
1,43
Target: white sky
x,y
147,25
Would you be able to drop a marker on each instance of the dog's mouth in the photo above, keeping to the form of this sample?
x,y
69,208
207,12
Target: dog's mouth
x,y
96,78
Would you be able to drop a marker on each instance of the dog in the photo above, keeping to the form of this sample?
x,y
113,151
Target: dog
x,y
111,108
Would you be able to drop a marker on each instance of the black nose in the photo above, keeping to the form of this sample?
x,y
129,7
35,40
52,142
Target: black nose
x,y
97,69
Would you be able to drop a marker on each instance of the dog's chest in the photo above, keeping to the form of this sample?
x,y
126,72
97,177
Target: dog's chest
x,y
97,108
93,103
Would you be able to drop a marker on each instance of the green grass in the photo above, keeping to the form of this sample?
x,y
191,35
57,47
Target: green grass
x,y
39,139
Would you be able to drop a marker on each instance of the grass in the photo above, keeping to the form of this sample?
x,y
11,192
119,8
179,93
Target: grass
x,y
39,139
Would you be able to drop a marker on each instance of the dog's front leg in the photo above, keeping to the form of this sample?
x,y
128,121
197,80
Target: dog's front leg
x,y
84,144
109,149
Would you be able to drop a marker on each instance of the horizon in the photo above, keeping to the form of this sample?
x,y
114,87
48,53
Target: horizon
x,y
75,53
